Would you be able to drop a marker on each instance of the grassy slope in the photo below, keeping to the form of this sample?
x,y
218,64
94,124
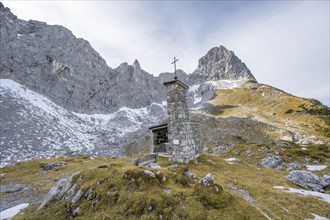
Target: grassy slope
x,y
275,107
120,198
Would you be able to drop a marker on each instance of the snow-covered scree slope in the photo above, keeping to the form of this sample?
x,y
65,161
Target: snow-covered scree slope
x,y
32,126
199,94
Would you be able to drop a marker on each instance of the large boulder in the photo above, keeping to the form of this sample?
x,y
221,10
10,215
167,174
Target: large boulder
x,y
207,180
309,180
153,166
189,174
293,166
149,173
327,179
77,196
281,143
223,149
273,162
51,166
207,150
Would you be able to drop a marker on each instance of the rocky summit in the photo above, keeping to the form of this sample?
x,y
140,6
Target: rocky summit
x,y
222,64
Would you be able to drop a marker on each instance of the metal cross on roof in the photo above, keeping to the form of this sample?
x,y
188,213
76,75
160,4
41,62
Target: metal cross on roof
x,y
174,62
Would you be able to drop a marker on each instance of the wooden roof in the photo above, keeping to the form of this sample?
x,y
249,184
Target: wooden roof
x,y
176,81
157,127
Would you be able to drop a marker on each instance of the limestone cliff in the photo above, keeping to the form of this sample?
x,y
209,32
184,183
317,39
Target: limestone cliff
x,y
50,60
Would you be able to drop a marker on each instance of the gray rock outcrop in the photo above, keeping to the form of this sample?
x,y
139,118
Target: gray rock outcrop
x,y
223,149
244,193
189,174
309,180
76,197
153,166
149,173
326,178
75,212
293,166
207,180
57,191
281,143
10,188
207,150
273,162
63,189
51,166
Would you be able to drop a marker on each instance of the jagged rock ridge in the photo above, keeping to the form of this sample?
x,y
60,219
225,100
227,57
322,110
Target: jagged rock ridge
x,y
50,60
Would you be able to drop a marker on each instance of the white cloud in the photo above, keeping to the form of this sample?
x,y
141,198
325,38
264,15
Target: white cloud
x,y
285,44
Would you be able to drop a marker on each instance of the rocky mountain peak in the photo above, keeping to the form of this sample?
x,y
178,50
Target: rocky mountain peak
x,y
136,65
6,11
222,64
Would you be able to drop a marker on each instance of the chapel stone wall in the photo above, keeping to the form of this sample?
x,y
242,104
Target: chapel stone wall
x,y
182,133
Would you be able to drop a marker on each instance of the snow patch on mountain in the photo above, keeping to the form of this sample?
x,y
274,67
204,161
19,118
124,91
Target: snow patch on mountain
x,y
197,99
226,84
11,212
203,92
217,84
194,88
125,119
134,115
20,92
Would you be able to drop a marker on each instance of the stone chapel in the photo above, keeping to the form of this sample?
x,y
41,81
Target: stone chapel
x,y
179,138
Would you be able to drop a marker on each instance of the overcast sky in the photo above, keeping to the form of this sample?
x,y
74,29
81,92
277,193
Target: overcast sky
x,y
284,43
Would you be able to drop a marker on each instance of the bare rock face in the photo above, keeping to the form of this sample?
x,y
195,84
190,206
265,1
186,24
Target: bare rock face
x,y
63,189
57,191
10,188
50,60
221,64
